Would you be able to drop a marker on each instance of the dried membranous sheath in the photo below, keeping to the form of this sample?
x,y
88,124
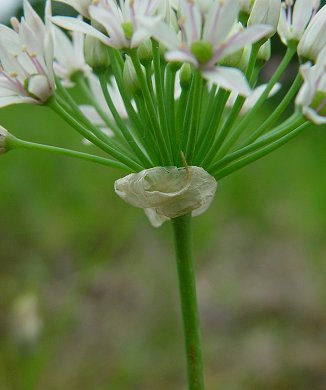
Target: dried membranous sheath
x,y
168,192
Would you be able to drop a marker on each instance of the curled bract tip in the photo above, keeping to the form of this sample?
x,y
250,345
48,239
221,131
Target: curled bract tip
x,y
168,192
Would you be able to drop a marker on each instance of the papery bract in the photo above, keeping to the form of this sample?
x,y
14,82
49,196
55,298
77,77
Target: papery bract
x,y
168,191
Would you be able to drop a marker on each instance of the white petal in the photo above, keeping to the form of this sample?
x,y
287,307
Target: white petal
x,y
9,100
79,26
38,85
242,38
229,78
161,31
302,12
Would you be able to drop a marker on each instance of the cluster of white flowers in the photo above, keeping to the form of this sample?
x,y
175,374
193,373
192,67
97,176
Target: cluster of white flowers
x,y
131,54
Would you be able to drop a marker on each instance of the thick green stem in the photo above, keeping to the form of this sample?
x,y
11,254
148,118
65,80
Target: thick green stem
x,y
187,288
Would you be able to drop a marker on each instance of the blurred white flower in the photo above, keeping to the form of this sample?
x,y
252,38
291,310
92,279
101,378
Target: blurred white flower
x,y
69,56
89,110
26,56
312,95
168,192
314,38
7,8
295,18
204,43
120,22
266,12
25,320
253,98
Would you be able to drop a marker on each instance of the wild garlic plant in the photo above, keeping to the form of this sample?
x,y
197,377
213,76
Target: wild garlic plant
x,y
172,88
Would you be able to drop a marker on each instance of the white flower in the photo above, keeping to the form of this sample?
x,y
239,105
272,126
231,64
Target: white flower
x,y
295,18
312,95
69,56
26,56
266,12
90,111
253,98
314,38
80,6
204,43
120,22
3,140
168,192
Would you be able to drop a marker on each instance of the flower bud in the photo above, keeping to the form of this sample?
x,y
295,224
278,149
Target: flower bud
x,y
145,53
266,12
130,77
96,54
185,76
3,140
264,53
314,38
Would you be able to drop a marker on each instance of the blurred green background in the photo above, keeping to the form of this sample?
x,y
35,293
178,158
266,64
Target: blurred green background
x,y
88,289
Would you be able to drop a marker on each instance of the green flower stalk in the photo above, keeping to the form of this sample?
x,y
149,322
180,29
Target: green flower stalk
x,y
169,92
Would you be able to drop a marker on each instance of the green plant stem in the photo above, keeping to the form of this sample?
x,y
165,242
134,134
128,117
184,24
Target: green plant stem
x,y
194,123
15,143
233,115
187,289
92,138
236,165
251,114
278,111
81,82
124,129
161,139
290,124
171,70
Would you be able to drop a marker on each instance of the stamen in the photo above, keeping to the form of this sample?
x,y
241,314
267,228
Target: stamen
x,y
15,24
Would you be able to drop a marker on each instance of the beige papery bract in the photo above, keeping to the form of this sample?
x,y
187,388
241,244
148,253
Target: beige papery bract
x,y
168,192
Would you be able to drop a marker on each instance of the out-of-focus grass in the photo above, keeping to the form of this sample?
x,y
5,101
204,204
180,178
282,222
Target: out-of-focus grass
x,y
106,282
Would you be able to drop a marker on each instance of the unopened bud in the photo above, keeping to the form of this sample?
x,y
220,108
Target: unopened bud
x,y
264,53
3,140
96,54
145,53
130,77
266,12
185,76
314,38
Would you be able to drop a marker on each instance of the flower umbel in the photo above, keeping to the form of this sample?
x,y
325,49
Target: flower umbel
x,y
204,43
26,56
